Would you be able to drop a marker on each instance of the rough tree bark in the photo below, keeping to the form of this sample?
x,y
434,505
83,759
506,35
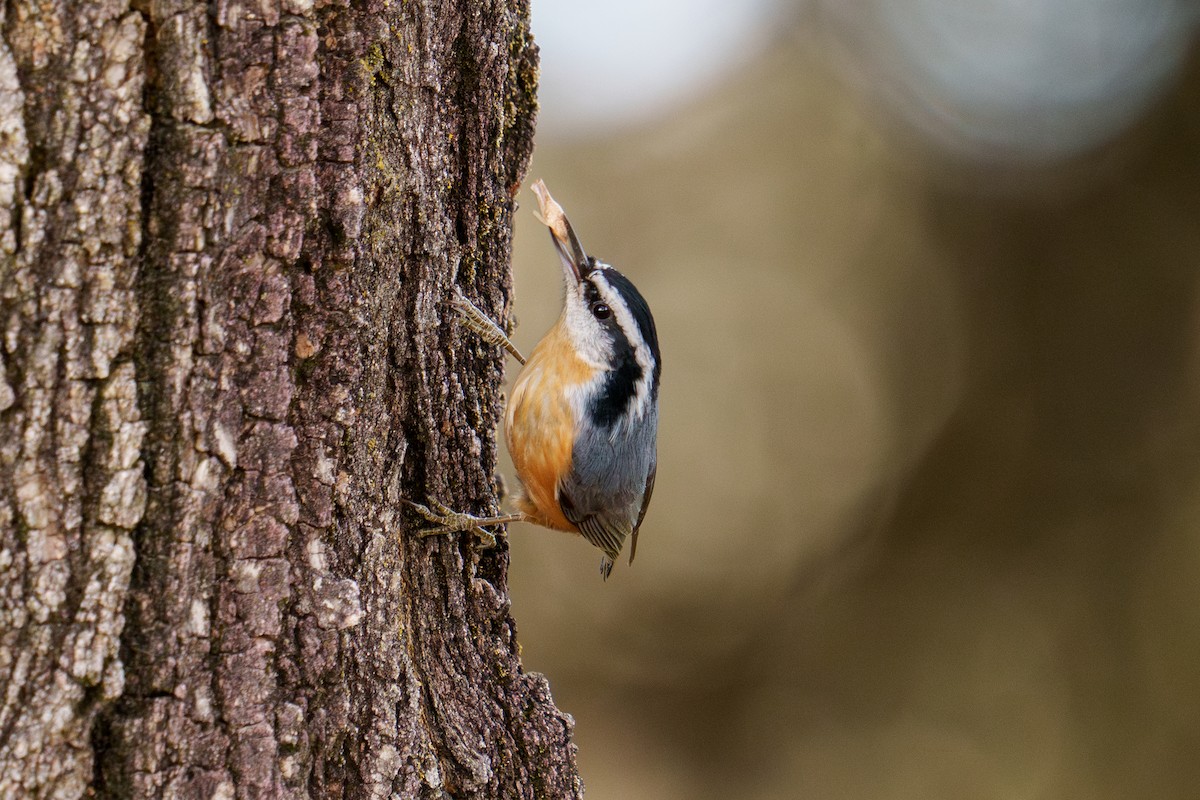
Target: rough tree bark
x,y
230,232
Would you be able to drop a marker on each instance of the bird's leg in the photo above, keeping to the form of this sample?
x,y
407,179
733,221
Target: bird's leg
x,y
448,521
483,325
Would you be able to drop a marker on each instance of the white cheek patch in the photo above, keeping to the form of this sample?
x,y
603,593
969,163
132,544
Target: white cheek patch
x,y
591,341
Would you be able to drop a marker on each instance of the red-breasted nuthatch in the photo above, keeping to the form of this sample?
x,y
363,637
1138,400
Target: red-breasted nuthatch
x,y
582,422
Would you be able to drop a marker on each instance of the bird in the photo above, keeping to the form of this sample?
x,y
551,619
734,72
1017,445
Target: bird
x,y
581,423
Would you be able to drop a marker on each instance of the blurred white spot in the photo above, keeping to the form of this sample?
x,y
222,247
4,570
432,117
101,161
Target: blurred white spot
x,y
1026,79
611,63
198,619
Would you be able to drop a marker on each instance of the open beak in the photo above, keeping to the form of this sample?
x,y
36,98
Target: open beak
x,y
567,244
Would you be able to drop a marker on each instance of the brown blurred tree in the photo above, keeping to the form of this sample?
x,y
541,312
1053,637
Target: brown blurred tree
x,y
228,237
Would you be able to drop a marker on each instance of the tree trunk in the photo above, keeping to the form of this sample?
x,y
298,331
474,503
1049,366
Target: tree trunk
x,y
229,239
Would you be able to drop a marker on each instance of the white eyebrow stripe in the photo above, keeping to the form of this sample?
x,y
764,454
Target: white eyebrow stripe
x,y
641,351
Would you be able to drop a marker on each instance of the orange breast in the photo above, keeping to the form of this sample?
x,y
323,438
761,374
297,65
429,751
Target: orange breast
x,y
540,428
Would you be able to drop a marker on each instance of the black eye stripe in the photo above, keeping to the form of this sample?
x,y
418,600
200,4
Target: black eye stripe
x,y
622,383
624,289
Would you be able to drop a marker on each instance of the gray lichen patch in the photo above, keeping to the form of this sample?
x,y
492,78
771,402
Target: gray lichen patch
x,y
122,500
71,476
14,155
186,92
7,395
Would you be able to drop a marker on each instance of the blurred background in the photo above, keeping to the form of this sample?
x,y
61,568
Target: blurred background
x,y
927,279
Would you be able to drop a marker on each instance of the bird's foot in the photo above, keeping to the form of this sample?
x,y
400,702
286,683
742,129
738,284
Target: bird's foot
x,y
448,521
483,325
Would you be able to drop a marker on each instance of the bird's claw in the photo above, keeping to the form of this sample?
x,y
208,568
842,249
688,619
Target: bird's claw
x,y
449,521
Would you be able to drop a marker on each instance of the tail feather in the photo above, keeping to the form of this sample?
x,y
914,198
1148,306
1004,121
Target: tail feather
x,y
606,565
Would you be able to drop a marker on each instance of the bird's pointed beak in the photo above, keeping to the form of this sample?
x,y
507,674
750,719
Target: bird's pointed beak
x,y
551,214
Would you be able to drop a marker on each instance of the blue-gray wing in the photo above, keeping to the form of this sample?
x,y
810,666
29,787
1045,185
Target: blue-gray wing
x,y
637,526
606,490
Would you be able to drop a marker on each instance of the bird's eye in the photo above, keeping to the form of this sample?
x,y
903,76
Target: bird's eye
x,y
601,311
